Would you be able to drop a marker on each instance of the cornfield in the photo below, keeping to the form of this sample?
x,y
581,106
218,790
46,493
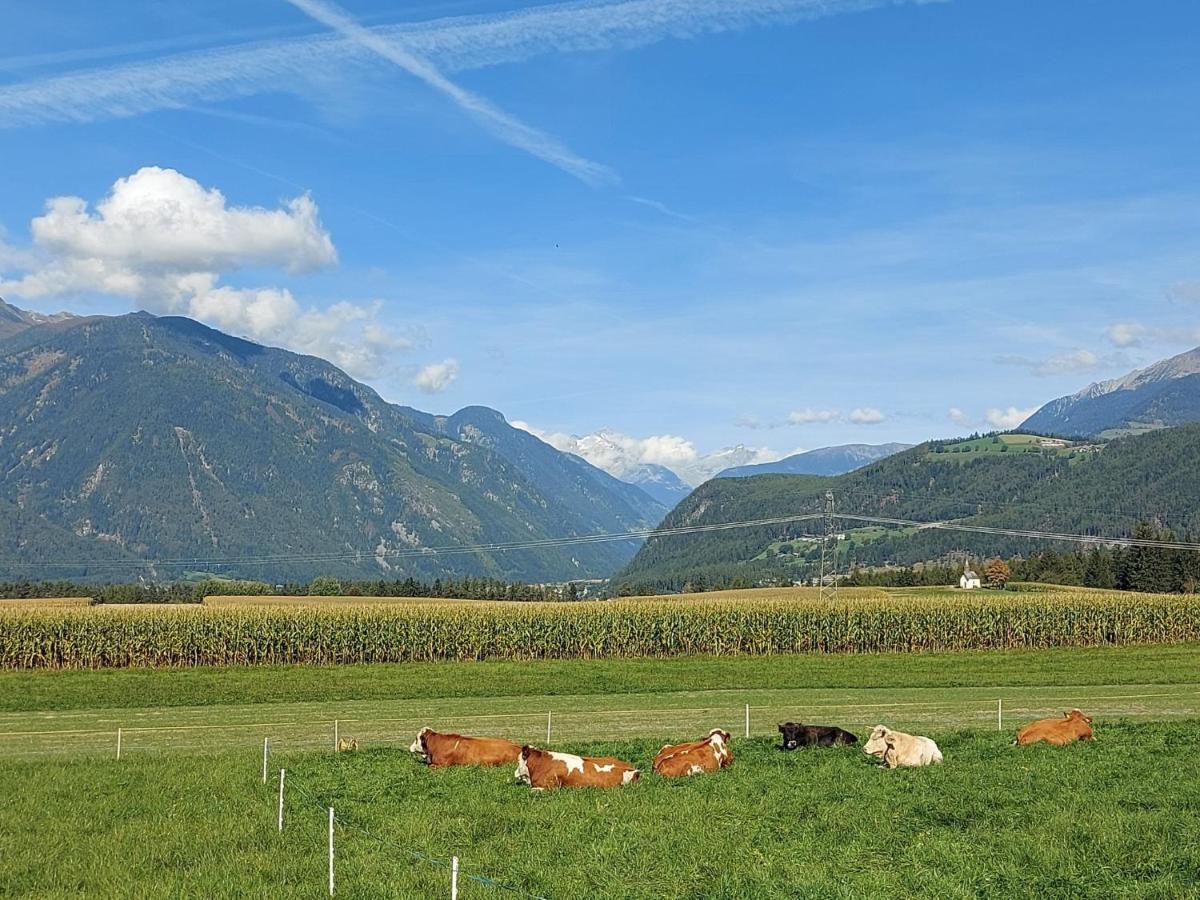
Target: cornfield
x,y
364,633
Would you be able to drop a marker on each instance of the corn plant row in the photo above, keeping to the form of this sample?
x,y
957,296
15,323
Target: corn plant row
x,y
87,638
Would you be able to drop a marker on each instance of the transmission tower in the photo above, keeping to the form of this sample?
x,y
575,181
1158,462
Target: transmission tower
x,y
828,583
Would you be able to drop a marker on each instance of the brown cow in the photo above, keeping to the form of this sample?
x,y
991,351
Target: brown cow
x,y
544,769
709,755
1073,726
460,750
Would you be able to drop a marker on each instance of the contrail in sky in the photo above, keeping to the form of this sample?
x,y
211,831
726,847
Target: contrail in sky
x,y
306,65
500,123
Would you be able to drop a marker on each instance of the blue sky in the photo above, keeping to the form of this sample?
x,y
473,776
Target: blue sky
x,y
697,223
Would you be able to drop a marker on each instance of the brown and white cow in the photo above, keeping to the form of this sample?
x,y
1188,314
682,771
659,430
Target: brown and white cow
x,y
695,757
546,769
1073,726
460,750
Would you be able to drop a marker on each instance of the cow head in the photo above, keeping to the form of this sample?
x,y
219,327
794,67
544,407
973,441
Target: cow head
x,y
418,746
791,735
1077,715
877,744
718,736
522,773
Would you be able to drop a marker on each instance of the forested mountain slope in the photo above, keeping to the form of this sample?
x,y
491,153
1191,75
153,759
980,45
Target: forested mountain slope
x,y
1103,491
141,438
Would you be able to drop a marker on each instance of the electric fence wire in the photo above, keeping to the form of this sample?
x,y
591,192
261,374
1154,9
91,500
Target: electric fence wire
x,y
349,824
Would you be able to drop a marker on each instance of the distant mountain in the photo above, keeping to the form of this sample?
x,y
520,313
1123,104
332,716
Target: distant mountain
x,y
659,482
135,438
1162,395
622,457
826,461
1003,482
13,320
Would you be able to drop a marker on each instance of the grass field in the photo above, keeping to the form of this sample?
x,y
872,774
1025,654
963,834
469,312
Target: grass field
x,y
183,812
1108,819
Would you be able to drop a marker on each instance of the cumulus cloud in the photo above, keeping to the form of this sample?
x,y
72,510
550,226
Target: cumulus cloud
x,y
621,454
1068,362
163,240
958,417
1135,334
813,416
1006,419
436,377
866,415
1126,334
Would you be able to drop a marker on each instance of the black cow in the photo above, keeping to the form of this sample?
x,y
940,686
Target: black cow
x,y
796,735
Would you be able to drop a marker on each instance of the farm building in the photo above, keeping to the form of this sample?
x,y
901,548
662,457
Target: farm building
x,y
969,580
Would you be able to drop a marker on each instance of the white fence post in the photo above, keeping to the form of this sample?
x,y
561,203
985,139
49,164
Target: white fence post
x,y
282,775
265,740
747,720
331,851
335,735
548,717
118,743
1000,714
454,878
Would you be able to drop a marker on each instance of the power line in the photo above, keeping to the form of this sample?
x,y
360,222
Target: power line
x,y
1028,533
370,555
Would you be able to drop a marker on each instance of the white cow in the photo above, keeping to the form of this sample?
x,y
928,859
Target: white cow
x,y
896,748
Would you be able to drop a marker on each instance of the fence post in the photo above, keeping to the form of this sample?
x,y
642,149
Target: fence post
x,y
331,851
265,740
454,878
335,735
1000,714
548,717
118,743
747,720
282,775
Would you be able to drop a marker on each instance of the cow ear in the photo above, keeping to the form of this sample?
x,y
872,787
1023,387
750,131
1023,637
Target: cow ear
x,y
781,729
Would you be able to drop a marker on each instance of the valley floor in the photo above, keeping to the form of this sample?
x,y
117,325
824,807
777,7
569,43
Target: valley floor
x,y
184,812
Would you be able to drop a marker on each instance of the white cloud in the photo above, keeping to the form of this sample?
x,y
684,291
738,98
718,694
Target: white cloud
x,y
436,377
867,415
1074,361
1126,334
452,44
1006,419
813,416
620,454
163,240
958,417
1064,363
1134,334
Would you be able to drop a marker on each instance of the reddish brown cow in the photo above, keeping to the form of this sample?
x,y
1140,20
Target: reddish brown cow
x,y
544,769
1073,726
709,755
460,750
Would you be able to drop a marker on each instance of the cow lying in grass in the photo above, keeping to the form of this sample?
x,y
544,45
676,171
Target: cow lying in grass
x,y
441,750
545,769
347,745
1073,726
695,757
897,749
795,734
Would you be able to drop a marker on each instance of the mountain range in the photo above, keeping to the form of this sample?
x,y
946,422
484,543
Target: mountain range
x,y
1159,396
825,461
140,438
999,481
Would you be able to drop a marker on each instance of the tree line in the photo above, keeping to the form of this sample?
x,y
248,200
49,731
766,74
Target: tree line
x,y
327,586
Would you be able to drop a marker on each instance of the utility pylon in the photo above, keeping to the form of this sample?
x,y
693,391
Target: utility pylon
x,y
828,583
